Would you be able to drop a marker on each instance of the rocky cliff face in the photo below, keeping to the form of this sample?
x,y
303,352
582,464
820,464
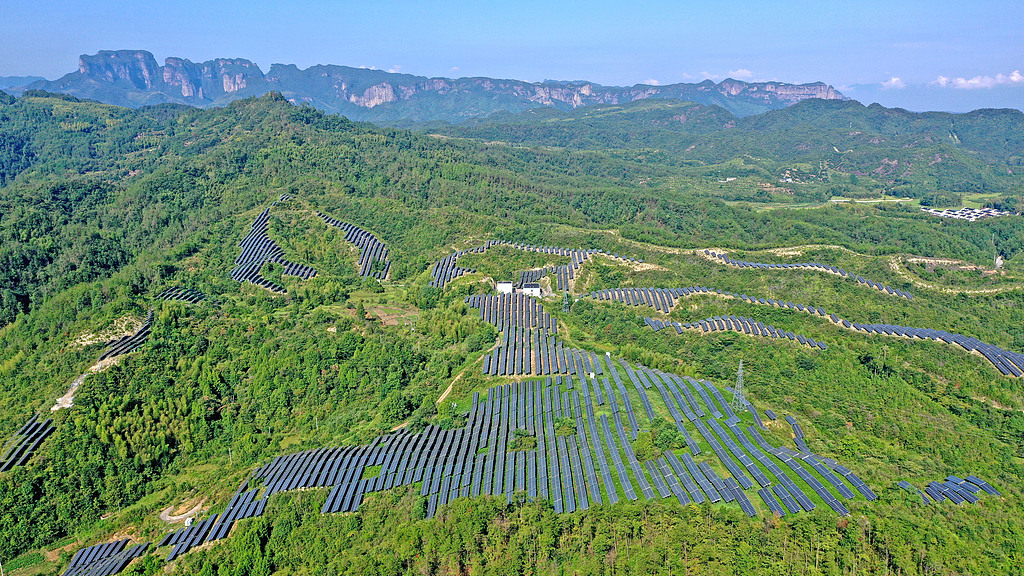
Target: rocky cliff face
x,y
132,77
209,80
136,67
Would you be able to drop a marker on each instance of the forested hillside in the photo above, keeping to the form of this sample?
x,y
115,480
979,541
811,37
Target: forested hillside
x,y
104,208
815,144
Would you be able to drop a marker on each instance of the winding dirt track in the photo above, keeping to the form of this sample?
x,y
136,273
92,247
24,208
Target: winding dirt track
x,y
166,516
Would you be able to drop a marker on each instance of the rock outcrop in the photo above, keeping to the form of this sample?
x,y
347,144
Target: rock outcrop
x,y
133,78
136,67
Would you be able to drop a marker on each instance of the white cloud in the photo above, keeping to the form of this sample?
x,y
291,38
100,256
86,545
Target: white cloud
x,y
893,82
454,69
741,74
395,69
651,82
979,82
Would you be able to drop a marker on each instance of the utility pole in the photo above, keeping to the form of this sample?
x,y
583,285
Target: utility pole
x,y
739,400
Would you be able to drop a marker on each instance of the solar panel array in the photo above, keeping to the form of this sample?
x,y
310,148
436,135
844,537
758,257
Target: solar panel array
x,y
534,352
24,443
187,538
740,324
571,467
504,310
258,249
809,266
678,394
528,343
104,559
955,489
447,269
572,471
1008,363
743,457
241,506
187,295
131,342
371,249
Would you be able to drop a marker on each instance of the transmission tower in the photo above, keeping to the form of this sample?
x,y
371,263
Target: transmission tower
x,y
739,399
566,302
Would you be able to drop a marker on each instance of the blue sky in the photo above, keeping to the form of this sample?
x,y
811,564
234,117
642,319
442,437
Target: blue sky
x,y
919,55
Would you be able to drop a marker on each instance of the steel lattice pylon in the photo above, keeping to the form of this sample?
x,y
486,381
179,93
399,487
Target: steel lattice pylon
x,y
739,399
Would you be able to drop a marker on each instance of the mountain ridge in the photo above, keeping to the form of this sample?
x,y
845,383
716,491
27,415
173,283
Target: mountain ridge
x,y
134,78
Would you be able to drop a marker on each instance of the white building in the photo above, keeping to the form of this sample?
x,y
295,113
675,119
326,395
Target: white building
x,y
531,289
504,287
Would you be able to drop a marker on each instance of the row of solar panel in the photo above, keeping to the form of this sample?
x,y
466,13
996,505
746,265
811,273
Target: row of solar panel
x,y
131,342
1008,363
371,249
251,273
187,295
664,299
446,269
25,442
258,249
188,537
956,490
740,324
562,274
785,489
241,506
104,559
809,266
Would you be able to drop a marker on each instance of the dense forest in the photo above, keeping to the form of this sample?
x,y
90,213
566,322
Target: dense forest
x,y
102,208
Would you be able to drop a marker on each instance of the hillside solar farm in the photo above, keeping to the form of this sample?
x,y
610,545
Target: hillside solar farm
x,y
261,339
560,423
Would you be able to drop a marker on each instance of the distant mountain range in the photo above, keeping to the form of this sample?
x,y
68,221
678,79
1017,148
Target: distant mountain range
x,y
913,154
17,81
133,78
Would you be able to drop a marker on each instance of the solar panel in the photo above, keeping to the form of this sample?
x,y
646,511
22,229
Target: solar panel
x,y
770,501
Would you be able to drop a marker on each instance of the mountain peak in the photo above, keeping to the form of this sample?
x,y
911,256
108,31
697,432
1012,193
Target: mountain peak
x,y
136,67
